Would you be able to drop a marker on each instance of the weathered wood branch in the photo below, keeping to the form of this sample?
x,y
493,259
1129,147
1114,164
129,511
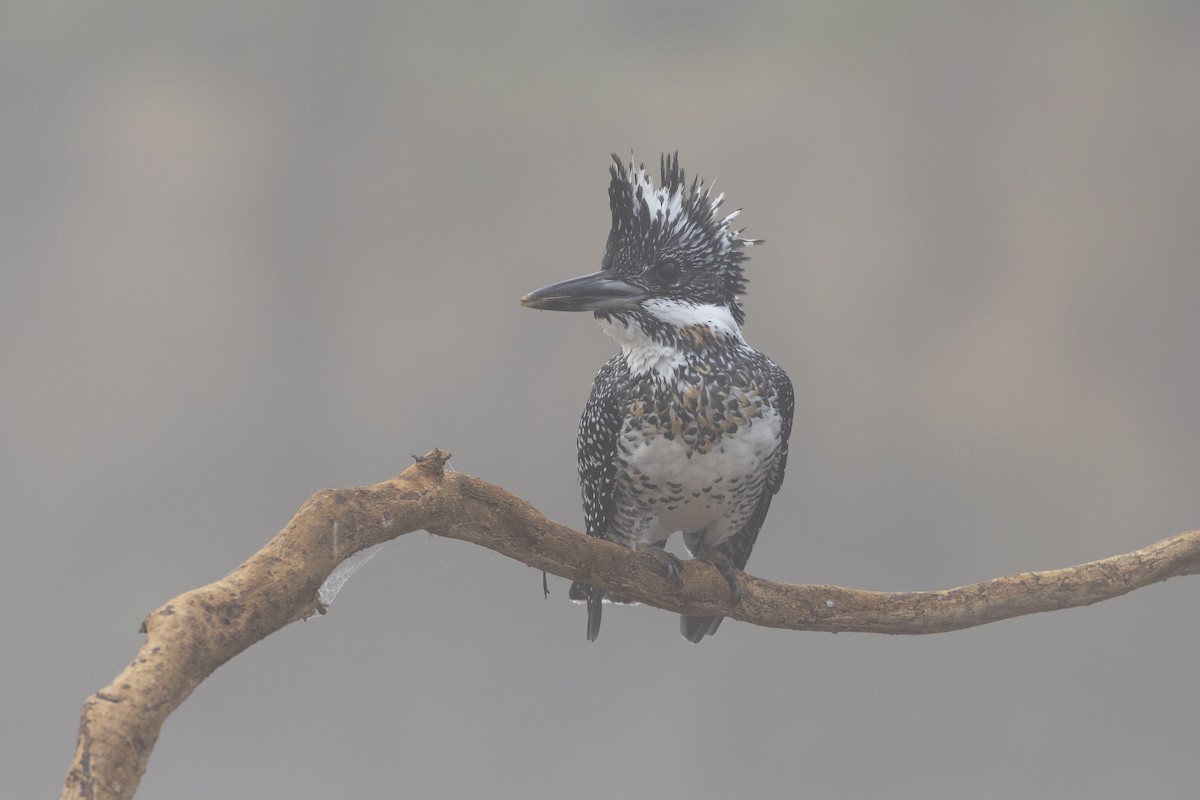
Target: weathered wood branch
x,y
200,630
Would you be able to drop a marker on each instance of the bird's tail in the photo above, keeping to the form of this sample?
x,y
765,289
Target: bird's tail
x,y
594,597
595,605
696,628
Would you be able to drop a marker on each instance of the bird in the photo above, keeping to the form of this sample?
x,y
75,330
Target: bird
x,y
686,429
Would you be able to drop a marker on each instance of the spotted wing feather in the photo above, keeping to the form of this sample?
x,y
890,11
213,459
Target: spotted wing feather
x,y
599,428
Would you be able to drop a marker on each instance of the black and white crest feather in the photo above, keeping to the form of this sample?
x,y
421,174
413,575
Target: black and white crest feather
x,y
675,222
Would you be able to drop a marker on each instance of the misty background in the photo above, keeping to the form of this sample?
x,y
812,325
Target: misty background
x,y
254,250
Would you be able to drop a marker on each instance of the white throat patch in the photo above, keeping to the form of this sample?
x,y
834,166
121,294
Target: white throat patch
x,y
644,353
679,314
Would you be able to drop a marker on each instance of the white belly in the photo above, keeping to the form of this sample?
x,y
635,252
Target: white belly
x,y
710,492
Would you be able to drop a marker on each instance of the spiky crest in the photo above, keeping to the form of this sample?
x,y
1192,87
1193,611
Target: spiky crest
x,y
676,220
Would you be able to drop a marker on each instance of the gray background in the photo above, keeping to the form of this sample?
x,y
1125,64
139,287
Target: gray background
x,y
249,252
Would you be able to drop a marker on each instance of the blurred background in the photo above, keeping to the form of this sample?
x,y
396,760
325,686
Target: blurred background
x,y
254,250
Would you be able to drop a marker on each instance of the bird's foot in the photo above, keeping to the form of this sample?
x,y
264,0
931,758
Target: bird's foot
x,y
666,564
727,570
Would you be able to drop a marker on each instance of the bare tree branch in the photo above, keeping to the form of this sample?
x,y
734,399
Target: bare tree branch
x,y
200,630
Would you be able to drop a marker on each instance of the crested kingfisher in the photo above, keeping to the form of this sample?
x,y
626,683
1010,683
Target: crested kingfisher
x,y
687,427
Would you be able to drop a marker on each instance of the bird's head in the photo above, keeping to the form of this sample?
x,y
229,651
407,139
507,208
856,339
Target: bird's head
x,y
671,258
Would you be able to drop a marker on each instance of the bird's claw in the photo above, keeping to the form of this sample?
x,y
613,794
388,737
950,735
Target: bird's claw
x,y
666,564
726,568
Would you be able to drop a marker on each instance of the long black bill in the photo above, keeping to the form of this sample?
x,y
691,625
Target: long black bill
x,y
595,292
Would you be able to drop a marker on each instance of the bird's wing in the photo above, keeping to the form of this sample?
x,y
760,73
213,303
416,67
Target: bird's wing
x,y
738,546
599,429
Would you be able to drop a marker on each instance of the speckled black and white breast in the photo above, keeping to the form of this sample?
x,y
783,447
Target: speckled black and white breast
x,y
700,434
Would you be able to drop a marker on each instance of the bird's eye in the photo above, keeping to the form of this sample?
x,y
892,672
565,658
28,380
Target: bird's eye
x,y
667,271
